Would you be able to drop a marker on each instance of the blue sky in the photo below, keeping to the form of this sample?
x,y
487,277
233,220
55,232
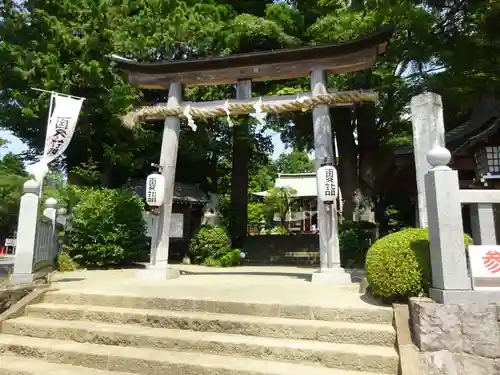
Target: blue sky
x,y
15,145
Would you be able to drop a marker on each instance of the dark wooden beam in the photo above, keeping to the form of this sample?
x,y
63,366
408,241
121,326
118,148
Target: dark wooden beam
x,y
260,66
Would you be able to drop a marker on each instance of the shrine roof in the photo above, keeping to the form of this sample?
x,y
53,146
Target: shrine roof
x,y
303,183
338,58
183,193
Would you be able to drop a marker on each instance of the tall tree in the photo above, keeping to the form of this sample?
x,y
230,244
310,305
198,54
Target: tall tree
x,y
294,162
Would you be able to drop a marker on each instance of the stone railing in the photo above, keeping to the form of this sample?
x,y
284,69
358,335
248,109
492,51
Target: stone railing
x,y
37,237
482,214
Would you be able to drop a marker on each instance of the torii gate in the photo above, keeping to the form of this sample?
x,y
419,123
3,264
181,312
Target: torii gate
x,y
242,69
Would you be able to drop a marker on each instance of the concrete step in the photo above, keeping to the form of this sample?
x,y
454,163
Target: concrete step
x,y
318,330
12,365
345,356
375,314
150,361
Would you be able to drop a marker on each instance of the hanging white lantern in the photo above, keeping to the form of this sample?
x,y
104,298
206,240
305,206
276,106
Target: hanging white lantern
x,y
327,180
155,189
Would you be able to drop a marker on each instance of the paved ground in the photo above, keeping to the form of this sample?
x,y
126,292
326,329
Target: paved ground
x,y
285,285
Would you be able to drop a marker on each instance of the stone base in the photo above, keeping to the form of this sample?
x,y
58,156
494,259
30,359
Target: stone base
x,y
455,297
331,276
22,278
158,273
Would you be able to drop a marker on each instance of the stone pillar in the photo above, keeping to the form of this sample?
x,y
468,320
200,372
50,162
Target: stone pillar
x,y
428,130
26,234
327,219
450,277
158,268
483,224
50,212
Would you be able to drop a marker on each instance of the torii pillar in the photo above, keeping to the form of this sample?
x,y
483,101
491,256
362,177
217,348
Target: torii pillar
x,y
330,272
158,267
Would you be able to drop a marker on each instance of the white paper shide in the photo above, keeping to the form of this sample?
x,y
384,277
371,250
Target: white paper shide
x,y
155,189
61,125
327,183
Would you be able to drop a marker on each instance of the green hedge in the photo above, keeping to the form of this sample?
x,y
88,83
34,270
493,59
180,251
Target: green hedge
x,y
211,247
108,229
398,265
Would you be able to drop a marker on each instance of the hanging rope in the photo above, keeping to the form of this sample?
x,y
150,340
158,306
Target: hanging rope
x,y
301,103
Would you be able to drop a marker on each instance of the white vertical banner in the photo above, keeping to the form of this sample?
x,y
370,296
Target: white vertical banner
x,y
61,125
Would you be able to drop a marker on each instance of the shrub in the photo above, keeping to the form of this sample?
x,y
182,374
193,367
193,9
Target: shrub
x,y
355,238
256,213
279,230
227,260
210,242
65,263
398,265
108,228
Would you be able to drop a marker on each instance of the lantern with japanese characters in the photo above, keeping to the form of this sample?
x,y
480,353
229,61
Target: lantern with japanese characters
x,y
326,177
155,189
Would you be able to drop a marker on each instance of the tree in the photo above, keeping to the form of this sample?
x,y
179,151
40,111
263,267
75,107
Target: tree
x,y
280,200
294,162
12,178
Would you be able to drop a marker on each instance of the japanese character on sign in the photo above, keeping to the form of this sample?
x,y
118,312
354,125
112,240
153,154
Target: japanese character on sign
x,y
329,175
152,190
56,141
62,124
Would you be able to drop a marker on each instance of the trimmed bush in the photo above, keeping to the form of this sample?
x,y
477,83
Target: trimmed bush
x,y
230,259
210,242
398,265
108,229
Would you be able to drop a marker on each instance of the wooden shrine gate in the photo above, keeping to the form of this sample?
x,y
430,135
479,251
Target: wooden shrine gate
x,y
242,69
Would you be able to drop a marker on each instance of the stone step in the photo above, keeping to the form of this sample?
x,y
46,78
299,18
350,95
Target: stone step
x,y
12,365
346,356
318,330
376,314
150,361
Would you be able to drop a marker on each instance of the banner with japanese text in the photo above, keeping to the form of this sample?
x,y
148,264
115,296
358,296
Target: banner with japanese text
x,y
61,125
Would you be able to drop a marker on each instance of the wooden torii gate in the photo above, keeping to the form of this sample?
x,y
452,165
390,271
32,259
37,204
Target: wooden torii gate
x,y
242,69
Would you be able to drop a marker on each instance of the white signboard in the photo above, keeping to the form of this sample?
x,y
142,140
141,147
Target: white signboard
x,y
327,183
485,267
10,242
176,225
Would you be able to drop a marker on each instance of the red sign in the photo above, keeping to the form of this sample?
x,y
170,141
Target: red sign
x,y
492,261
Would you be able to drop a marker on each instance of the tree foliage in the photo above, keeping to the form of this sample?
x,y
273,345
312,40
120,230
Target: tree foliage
x,y
12,177
294,162
64,45
281,201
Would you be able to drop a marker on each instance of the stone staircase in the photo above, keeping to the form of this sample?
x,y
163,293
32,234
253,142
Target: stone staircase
x,y
76,333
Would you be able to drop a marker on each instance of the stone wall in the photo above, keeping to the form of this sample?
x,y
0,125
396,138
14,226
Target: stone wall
x,y
299,249
456,339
